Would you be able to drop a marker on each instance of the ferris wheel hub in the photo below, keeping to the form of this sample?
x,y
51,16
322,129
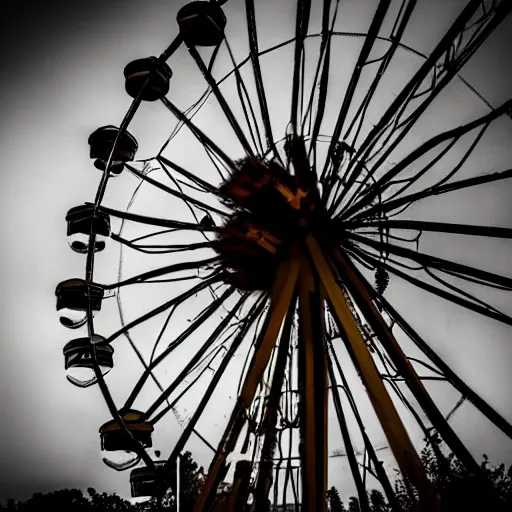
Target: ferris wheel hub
x,y
271,208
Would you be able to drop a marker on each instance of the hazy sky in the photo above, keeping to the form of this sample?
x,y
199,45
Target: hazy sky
x,y
61,78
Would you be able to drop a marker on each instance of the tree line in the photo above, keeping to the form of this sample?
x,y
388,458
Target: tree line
x,y
458,489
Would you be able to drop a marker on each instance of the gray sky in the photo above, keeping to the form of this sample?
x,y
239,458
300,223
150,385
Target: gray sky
x,y
61,78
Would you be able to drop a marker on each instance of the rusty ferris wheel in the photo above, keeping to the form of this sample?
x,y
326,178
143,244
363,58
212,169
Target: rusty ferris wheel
x,y
300,236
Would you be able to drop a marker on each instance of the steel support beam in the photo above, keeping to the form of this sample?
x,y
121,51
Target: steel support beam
x,y
313,391
352,460
282,293
266,467
399,441
358,288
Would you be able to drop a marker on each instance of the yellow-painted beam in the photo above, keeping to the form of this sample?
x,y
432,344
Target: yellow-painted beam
x,y
281,298
313,387
399,441
365,303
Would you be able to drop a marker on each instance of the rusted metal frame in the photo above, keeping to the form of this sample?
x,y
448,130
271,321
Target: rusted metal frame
x,y
306,178
260,89
398,438
359,289
251,316
486,310
252,122
323,67
379,470
347,442
200,319
199,134
313,390
435,262
401,23
439,227
369,41
162,160
261,322
268,427
282,293
301,29
175,300
407,93
492,415
222,101
154,221
452,441
288,477
455,133
169,269
175,193
409,199
219,329
237,500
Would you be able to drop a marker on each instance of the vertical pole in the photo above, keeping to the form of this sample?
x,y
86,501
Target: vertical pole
x,y
178,488
237,499
379,470
313,391
399,441
352,460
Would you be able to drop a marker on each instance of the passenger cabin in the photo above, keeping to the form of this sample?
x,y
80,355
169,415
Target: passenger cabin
x,y
147,77
78,360
82,220
73,296
201,24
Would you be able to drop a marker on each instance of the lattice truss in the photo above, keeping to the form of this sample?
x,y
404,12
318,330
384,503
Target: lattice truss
x,y
283,219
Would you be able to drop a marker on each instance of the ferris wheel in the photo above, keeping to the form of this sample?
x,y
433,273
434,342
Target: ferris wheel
x,y
314,192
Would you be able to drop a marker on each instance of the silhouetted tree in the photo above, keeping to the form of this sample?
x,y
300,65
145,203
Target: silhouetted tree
x,y
334,500
378,502
191,481
71,500
353,505
458,488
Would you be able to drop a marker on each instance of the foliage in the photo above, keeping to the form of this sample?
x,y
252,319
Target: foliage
x,y
191,481
457,487
73,500
334,500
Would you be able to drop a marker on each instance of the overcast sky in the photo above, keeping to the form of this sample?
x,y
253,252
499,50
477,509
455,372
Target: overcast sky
x,y
61,78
